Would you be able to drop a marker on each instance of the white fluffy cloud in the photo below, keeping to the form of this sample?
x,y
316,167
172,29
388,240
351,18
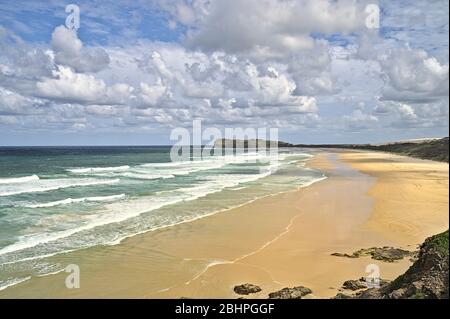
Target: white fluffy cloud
x,y
153,94
12,103
21,64
360,120
417,115
68,86
273,27
412,75
69,50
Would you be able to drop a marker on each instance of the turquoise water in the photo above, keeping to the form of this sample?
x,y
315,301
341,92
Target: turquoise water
x,y
55,200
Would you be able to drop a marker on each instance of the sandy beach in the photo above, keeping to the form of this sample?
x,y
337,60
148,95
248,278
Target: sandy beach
x,y
285,240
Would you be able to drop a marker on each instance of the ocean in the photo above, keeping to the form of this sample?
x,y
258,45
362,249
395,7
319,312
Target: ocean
x,y
55,200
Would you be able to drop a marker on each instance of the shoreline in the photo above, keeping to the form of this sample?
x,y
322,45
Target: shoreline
x,y
277,241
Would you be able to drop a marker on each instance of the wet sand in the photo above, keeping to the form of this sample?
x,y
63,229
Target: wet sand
x,y
369,199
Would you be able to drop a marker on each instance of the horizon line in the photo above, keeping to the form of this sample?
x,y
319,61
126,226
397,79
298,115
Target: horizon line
x,y
169,145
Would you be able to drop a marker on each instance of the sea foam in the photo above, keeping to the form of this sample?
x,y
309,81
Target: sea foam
x,y
68,201
85,170
17,180
45,185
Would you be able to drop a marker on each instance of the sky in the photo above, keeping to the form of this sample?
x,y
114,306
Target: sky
x,y
321,71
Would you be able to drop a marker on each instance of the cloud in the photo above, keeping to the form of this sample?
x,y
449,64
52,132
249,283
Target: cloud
x,y
12,103
21,64
403,115
420,24
275,89
407,112
273,27
8,120
311,71
414,76
359,120
69,50
151,95
102,110
68,86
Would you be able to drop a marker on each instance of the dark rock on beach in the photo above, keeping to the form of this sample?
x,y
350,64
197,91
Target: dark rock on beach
x,y
246,289
354,284
344,255
342,296
362,283
290,293
387,254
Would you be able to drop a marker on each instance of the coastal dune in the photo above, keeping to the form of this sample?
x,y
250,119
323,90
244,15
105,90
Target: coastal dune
x,y
369,199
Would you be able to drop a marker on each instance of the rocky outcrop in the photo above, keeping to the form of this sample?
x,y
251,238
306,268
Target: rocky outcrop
x,y
354,284
246,289
342,296
290,293
427,278
358,285
387,254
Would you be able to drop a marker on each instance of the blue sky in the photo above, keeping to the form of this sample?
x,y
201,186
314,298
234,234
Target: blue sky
x,y
135,70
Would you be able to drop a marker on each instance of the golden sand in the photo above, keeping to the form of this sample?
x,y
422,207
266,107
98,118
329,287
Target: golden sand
x,y
413,195
369,199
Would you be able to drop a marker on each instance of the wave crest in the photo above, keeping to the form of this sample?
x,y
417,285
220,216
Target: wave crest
x,y
68,201
46,185
17,180
85,170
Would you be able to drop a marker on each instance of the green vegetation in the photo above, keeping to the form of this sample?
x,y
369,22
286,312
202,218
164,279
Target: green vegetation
x,y
418,295
436,150
439,242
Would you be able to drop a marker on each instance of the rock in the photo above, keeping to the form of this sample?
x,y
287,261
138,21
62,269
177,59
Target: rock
x,y
354,284
369,282
387,254
344,255
371,293
246,289
342,296
390,254
397,294
290,293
